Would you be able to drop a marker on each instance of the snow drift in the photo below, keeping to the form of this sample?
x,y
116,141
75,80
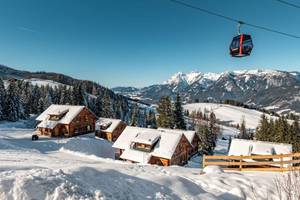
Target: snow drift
x,y
91,147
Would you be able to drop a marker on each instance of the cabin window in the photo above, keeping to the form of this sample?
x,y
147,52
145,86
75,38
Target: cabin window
x,y
142,147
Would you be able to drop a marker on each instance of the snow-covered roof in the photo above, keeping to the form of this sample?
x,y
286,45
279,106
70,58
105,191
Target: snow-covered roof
x,y
188,134
136,156
248,147
73,111
58,111
47,124
110,124
165,147
148,138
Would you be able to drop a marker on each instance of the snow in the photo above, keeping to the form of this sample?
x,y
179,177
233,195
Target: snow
x,y
85,146
192,77
73,111
44,82
208,78
41,170
111,124
212,169
230,114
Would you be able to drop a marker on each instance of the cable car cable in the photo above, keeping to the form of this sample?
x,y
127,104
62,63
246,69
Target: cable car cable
x,y
234,19
288,3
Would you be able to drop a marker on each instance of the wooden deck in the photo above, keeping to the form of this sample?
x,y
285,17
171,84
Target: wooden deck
x,y
280,162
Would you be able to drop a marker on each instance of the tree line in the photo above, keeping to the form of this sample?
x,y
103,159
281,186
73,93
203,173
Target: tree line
x,y
20,98
280,130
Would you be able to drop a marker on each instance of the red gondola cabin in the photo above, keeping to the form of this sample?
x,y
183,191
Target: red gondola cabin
x,y
241,46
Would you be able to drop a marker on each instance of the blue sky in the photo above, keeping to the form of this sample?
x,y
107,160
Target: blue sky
x,y
141,42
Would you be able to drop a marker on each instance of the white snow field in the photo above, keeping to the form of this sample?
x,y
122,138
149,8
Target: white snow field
x,y
229,114
82,168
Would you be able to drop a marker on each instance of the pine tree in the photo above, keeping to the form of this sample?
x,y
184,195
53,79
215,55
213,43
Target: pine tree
x,y
2,99
282,131
13,105
98,106
263,131
78,95
134,116
213,127
243,131
107,106
295,133
164,109
178,114
206,147
151,120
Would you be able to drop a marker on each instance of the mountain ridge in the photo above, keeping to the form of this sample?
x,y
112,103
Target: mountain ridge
x,y
259,87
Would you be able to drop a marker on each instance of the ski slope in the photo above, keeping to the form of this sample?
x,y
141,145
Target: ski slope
x,y
70,169
229,114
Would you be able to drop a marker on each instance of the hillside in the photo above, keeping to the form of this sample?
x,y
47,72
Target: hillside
x,y
229,114
35,91
273,89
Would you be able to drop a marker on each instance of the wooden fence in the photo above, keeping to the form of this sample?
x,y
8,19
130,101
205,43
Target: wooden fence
x,y
280,162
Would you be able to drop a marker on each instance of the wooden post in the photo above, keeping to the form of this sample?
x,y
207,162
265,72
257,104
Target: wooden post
x,y
281,162
241,159
203,161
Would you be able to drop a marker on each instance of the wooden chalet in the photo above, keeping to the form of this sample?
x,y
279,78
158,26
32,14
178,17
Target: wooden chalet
x,y
161,147
66,121
192,137
109,129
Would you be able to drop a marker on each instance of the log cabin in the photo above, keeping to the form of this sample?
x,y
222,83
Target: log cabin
x,y
192,137
66,121
109,129
160,147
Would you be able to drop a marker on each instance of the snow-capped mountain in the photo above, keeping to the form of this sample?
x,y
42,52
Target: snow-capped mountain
x,y
263,88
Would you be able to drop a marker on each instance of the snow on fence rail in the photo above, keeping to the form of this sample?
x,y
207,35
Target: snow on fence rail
x,y
279,162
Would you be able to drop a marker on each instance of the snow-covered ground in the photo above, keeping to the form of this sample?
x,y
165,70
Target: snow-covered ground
x,y
229,114
81,168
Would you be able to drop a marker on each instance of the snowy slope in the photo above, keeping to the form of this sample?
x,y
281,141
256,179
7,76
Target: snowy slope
x,y
40,170
229,114
42,82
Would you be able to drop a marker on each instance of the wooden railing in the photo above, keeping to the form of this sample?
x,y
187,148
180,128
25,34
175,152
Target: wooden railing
x,y
280,162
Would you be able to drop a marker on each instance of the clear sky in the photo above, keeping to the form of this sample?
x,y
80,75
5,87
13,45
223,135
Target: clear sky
x,y
141,42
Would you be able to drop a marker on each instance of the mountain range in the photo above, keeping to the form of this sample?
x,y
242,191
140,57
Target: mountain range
x,y
275,90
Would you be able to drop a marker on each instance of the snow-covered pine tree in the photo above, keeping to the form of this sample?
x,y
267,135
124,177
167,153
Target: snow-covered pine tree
x,y
134,116
78,95
13,104
178,114
34,101
107,107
